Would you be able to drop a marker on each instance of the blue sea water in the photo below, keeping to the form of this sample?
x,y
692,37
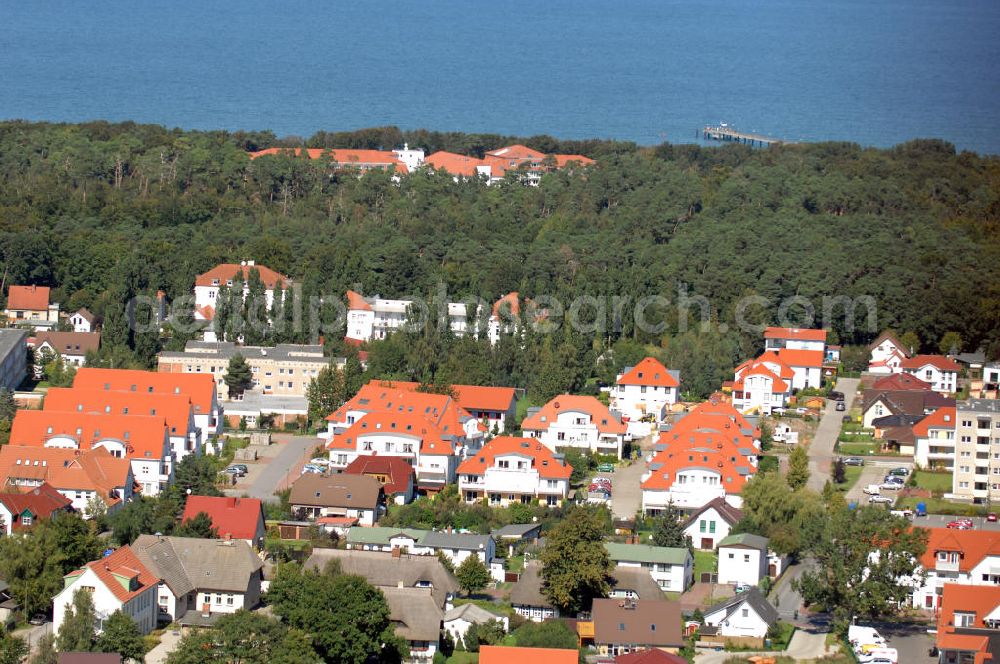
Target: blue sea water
x,y
877,72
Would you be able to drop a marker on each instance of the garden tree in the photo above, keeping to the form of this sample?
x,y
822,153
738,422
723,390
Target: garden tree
x,y
57,373
347,618
255,315
520,513
200,525
239,377
911,341
120,634
146,331
194,475
548,634
7,405
74,539
143,516
847,579
766,436
13,650
575,563
798,468
76,634
472,575
115,333
668,529
223,312
773,510
324,393
245,637
951,343
236,323
839,471
489,633
581,461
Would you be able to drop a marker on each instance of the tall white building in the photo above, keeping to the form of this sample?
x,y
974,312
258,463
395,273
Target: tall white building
x,y
977,450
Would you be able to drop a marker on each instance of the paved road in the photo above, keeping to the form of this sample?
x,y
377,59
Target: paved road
x,y
821,448
805,645
626,498
168,643
283,468
32,633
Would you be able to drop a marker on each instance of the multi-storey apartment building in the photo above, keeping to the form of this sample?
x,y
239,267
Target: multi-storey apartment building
x,y
282,370
977,450
509,470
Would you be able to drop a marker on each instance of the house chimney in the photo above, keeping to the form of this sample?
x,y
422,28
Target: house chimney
x,y
231,501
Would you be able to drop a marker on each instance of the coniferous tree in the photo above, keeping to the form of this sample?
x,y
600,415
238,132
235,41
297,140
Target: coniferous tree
x,y
76,634
255,314
669,530
798,468
239,376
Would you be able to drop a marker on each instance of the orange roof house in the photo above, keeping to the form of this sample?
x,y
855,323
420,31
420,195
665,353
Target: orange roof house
x,y
795,333
175,409
200,388
232,518
509,654
456,164
140,436
83,471
968,627
362,159
225,272
543,460
394,474
942,418
649,372
28,298
599,414
939,362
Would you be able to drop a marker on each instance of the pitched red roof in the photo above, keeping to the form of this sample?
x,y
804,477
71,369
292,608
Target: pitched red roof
x,y
509,654
223,272
942,418
796,333
666,465
509,303
145,437
69,343
517,153
542,458
476,397
123,563
399,474
940,362
65,469
355,302
40,501
794,357
978,600
455,164
901,382
30,298
974,545
361,158
200,387
652,656
564,160
599,414
237,518
895,342
649,372
175,409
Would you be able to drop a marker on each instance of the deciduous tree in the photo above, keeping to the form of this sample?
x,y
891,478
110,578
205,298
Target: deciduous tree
x,y
120,634
76,634
575,563
472,575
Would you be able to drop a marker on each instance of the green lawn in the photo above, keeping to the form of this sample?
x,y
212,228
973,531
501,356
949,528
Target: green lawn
x,y
933,481
851,475
781,642
515,564
941,506
704,561
851,449
463,658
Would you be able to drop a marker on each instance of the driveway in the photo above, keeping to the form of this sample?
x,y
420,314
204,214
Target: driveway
x,y
168,643
280,471
32,633
821,448
626,497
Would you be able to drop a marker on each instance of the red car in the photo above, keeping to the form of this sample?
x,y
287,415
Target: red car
x,y
992,517
960,524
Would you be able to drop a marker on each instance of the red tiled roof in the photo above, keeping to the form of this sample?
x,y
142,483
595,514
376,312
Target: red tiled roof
x,y
87,470
430,436
513,654
41,501
895,342
399,473
978,600
455,164
564,160
900,382
355,302
476,397
716,456
542,458
940,362
70,343
974,545
599,414
175,409
651,656
760,369
362,158
30,298
794,357
145,437
237,518
510,303
223,272
402,397
517,153
796,333
942,418
122,563
200,387
649,371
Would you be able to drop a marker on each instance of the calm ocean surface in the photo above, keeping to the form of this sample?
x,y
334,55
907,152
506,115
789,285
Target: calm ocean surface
x,y
877,72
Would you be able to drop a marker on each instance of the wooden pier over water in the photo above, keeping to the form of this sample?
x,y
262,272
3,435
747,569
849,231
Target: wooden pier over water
x,y
727,133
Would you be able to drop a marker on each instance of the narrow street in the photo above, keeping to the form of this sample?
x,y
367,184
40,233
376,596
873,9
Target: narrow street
x,y
821,449
280,471
626,498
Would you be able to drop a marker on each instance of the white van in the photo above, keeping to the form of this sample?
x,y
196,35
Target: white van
x,y
873,490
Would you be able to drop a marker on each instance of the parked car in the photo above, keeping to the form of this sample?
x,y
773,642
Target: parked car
x,y
840,406
235,470
908,513
881,499
960,524
846,419
854,461
801,411
893,486
606,468
312,468
902,471
742,587
602,480
836,396
992,517
38,619
319,461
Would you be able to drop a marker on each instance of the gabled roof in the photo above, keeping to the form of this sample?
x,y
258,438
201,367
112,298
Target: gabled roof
x,y
795,357
895,342
414,613
144,437
383,570
509,305
939,362
942,418
599,414
89,658
175,409
476,397
85,314
357,302
399,473
754,598
796,333
973,545
516,531
237,518
508,654
636,580
644,553
40,501
382,535
455,164
733,468
361,158
649,372
729,514
981,600
69,343
901,382
192,563
436,539
76,470
527,590
644,622
909,402
223,272
200,387
516,152
650,656
342,490
542,458
745,540
30,298
472,613
120,567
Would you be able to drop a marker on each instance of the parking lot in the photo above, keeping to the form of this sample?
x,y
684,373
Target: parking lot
x,y
911,641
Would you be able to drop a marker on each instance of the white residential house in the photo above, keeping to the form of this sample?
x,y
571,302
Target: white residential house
x,y
580,422
966,557
207,285
83,321
208,576
459,619
689,475
794,338
711,524
514,470
646,390
671,568
747,614
935,440
886,354
117,582
938,370
459,546
743,559
806,366
762,385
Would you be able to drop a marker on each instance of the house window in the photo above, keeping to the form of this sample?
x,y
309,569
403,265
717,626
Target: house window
x,y
746,557
745,613
965,619
229,600
26,520
701,526
711,527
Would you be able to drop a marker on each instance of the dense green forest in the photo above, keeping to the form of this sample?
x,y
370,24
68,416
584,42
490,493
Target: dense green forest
x,y
102,212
